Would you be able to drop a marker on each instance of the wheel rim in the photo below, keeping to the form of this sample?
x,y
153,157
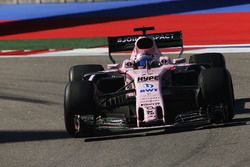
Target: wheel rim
x,y
77,124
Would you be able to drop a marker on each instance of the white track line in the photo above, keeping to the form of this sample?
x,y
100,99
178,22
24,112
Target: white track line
x,y
240,48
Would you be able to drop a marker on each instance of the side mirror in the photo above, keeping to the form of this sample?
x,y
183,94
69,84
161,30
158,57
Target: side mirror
x,y
165,60
128,63
179,60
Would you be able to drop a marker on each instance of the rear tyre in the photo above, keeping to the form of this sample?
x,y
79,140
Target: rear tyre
x,y
217,90
77,72
78,100
211,59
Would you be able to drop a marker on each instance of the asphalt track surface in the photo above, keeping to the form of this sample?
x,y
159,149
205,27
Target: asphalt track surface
x,y
32,130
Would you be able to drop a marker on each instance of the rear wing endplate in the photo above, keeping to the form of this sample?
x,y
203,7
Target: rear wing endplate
x,y
127,43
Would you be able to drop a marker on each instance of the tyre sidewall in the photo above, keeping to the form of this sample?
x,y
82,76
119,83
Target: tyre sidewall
x,y
216,87
78,100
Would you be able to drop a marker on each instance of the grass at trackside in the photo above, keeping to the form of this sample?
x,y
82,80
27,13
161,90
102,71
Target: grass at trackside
x,y
52,43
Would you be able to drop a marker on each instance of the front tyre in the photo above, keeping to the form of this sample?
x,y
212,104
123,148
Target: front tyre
x,y
217,93
78,101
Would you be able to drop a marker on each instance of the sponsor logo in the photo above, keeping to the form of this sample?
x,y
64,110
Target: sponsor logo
x,y
162,36
150,104
126,39
150,107
151,113
148,88
147,78
156,37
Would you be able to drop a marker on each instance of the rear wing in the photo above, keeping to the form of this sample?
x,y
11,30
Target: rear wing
x,y
127,43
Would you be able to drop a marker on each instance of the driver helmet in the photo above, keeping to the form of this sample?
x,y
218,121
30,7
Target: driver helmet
x,y
143,59
145,49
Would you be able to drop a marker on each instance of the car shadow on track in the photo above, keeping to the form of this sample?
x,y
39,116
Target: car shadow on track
x,y
29,135
239,109
26,99
240,106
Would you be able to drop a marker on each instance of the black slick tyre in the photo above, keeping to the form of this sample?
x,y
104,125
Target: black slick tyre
x,y
213,60
216,88
78,100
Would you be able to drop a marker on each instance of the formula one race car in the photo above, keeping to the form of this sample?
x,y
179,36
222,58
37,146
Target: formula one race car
x,y
148,90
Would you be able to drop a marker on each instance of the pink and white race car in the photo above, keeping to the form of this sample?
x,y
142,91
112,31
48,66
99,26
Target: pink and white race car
x,y
148,90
